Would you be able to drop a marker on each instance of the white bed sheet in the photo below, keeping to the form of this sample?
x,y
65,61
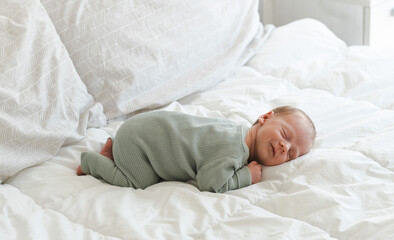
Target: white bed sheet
x,y
343,189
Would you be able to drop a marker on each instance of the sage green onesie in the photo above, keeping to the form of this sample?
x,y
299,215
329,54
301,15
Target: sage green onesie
x,y
162,145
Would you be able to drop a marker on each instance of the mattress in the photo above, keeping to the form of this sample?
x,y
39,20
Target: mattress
x,y
342,189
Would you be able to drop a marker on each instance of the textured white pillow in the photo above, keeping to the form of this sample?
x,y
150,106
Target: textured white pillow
x,y
43,102
294,46
137,54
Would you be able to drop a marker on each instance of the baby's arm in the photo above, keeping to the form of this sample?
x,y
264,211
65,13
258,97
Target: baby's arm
x,y
223,175
255,171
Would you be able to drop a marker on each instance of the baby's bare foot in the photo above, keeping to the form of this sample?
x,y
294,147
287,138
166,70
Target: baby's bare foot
x,y
107,149
79,171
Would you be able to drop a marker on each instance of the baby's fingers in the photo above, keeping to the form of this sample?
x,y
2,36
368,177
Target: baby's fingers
x,y
252,163
260,166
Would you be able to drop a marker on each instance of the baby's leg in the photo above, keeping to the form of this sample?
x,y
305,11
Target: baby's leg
x,y
102,167
106,151
131,158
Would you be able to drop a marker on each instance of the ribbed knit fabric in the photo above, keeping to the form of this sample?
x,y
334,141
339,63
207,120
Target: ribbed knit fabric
x,y
176,147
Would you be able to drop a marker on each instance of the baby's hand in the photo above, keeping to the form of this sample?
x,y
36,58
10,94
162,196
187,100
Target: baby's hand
x,y
255,171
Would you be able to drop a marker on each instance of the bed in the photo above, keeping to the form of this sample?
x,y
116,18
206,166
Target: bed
x,y
72,71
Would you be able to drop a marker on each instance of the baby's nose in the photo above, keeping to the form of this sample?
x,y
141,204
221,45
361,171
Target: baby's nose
x,y
284,146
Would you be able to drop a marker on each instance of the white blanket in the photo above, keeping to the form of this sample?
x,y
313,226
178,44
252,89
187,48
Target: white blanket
x,y
342,189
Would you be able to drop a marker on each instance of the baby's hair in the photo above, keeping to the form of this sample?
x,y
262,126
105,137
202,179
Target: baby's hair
x,y
284,110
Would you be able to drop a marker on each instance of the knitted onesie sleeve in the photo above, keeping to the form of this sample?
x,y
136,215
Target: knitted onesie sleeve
x,y
223,175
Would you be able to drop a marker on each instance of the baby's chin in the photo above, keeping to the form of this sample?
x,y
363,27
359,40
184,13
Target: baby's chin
x,y
267,162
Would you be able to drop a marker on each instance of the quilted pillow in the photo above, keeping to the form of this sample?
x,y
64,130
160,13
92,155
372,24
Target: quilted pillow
x,y
43,102
142,54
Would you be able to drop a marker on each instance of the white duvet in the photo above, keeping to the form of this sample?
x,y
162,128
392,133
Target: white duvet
x,y
342,189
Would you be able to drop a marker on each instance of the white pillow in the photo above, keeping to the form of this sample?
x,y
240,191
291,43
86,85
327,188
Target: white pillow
x,y
298,52
43,102
138,54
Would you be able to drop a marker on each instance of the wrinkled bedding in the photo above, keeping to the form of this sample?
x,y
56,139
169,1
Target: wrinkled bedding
x,y
342,189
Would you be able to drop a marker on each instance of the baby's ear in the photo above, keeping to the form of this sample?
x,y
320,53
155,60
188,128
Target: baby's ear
x,y
265,117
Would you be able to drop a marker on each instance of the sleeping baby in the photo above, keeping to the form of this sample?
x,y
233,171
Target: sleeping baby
x,y
218,154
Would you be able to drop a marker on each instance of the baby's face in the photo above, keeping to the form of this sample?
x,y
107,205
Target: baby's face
x,y
282,138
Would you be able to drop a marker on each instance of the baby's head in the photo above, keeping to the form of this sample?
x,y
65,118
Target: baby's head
x,y
281,135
